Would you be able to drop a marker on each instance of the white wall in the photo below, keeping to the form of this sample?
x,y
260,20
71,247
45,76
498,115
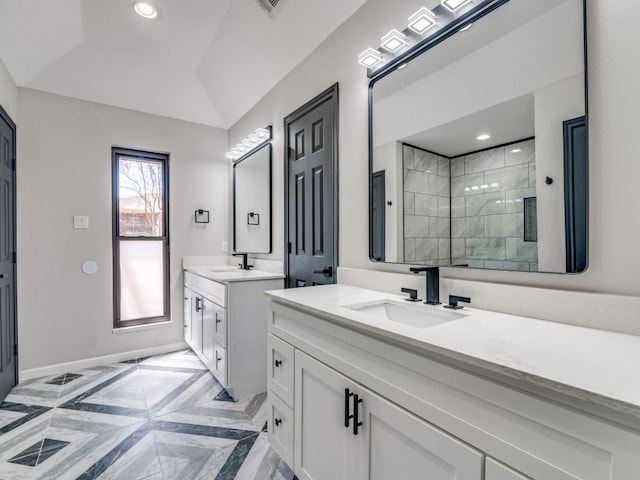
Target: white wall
x,y
64,169
554,104
614,100
8,93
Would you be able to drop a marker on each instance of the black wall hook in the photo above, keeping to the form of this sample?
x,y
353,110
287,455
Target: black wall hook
x,y
548,180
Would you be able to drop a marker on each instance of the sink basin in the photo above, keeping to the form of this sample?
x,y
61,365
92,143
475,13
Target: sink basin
x,y
415,315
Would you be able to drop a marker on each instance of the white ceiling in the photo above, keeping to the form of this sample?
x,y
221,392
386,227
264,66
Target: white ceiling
x,y
205,61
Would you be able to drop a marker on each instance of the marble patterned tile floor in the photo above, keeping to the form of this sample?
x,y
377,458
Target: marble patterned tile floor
x,y
158,418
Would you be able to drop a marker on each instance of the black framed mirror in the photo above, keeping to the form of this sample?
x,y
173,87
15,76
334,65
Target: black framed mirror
x,y
252,180
478,141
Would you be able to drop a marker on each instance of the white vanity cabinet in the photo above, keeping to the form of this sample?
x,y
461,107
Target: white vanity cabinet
x,y
225,326
420,416
366,436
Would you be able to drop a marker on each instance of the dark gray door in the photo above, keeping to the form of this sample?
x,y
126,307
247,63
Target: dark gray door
x,y
311,138
8,358
575,193
378,216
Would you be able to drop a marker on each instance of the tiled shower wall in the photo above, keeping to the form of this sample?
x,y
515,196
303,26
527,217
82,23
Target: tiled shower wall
x,y
427,201
487,208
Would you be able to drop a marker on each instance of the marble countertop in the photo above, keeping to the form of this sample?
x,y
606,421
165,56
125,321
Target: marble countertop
x,y
230,273
593,369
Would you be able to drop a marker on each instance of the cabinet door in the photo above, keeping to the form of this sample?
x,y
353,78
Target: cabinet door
x,y
208,331
324,448
395,442
187,315
497,471
196,323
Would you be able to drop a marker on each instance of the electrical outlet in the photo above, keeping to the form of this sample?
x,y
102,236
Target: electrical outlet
x,y
225,246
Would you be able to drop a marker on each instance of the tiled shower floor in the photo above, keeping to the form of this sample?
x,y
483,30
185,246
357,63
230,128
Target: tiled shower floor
x,y
159,418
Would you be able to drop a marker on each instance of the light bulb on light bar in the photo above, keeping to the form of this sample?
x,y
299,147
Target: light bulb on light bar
x,y
247,143
369,58
229,156
262,133
393,41
254,139
422,20
454,5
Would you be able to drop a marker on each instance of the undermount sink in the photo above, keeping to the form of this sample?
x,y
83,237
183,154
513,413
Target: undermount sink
x,y
415,315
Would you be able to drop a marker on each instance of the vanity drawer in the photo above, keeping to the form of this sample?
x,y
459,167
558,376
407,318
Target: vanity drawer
x,y
494,470
219,366
280,368
220,325
217,292
280,428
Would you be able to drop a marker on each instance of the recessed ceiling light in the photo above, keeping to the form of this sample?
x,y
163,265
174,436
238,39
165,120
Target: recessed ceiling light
x,y
516,150
484,136
422,20
145,10
370,58
404,65
466,27
393,41
453,5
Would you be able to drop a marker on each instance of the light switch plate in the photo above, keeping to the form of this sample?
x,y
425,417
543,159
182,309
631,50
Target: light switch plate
x,y
81,221
225,246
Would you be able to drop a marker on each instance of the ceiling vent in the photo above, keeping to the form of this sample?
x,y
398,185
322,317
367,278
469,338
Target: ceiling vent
x,y
272,7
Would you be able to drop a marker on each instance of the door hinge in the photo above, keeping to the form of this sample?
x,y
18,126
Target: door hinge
x,y
15,255
15,349
13,164
289,247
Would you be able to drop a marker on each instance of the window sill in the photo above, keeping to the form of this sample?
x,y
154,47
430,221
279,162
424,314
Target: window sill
x,y
138,328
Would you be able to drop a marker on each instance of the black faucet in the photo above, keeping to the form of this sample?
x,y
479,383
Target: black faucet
x,y
413,294
453,302
243,265
433,283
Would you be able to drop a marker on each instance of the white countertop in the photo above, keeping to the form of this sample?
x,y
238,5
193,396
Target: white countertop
x,y
229,273
596,368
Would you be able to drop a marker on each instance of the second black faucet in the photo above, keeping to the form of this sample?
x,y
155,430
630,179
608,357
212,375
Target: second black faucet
x,y
432,283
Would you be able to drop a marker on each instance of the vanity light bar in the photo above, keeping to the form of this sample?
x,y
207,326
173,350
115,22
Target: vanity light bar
x,y
258,137
454,5
422,20
419,24
370,58
393,41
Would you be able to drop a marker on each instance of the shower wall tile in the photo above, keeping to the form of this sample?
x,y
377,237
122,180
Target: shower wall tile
x,y
459,184
483,161
486,248
532,176
458,249
458,227
514,266
439,185
519,250
444,249
439,227
427,248
474,227
409,249
514,199
509,225
408,158
444,207
457,207
457,166
444,167
415,226
426,205
485,204
425,161
409,203
527,153
509,179
415,181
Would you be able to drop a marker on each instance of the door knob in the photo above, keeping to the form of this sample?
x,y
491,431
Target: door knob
x,y
327,271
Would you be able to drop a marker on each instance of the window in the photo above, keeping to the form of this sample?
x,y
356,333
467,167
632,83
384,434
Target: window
x,y
140,238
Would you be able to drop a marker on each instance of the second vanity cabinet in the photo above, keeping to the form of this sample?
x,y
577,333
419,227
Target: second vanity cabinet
x,y
345,404
224,325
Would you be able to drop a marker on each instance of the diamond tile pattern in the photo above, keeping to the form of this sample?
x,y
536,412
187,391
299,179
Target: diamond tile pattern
x,y
155,418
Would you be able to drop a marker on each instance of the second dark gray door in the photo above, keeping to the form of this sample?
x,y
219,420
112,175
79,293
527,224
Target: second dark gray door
x,y
311,192
8,358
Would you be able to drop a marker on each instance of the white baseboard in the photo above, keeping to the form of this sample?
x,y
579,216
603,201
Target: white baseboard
x,y
59,368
